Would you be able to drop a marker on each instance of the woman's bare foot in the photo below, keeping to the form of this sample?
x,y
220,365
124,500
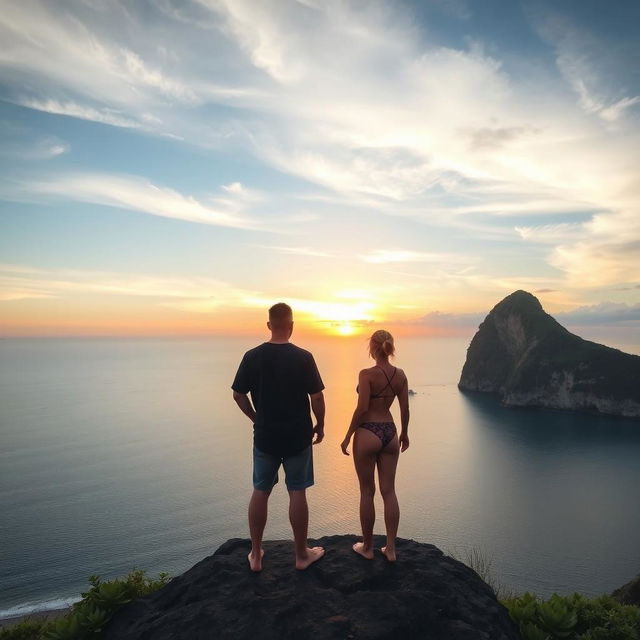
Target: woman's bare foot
x,y
358,547
255,560
389,554
313,554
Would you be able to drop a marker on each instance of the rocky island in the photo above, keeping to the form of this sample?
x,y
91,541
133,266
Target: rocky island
x,y
527,358
425,594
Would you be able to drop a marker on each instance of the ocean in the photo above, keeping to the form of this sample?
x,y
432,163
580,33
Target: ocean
x,y
127,452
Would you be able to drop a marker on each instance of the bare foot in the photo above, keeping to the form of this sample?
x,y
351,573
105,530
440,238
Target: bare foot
x,y
389,554
255,561
313,554
358,547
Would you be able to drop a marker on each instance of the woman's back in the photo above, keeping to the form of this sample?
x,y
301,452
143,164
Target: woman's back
x,y
384,384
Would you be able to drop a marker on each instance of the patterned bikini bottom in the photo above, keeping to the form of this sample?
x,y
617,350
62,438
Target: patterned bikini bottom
x,y
384,430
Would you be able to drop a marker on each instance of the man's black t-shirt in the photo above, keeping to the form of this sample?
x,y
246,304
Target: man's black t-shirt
x,y
280,378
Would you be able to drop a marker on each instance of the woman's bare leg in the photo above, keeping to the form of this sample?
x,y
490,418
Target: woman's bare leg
x,y
387,464
366,446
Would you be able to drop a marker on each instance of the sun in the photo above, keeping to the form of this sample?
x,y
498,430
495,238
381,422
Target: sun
x,y
344,314
345,329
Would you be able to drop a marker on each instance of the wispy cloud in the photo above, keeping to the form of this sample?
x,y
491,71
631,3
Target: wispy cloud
x,y
41,148
586,62
602,313
299,251
20,282
550,233
385,256
138,194
84,112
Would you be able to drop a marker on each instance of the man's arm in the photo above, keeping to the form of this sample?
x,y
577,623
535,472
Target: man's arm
x,y
317,406
242,400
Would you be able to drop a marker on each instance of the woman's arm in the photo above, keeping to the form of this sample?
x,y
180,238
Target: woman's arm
x,y
403,400
364,391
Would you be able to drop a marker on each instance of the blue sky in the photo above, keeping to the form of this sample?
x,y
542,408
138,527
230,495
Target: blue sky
x,y
175,166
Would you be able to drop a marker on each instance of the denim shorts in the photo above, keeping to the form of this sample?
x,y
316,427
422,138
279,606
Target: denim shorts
x,y
298,470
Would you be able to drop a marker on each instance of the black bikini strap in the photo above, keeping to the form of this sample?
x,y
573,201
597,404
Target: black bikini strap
x,y
389,379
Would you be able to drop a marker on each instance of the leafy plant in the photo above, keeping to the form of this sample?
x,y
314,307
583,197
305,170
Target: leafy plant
x,y
574,617
90,615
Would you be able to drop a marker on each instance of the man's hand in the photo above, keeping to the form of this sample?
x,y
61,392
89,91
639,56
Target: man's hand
x,y
318,434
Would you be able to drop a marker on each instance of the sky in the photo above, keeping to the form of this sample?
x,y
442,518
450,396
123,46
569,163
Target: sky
x,y
174,167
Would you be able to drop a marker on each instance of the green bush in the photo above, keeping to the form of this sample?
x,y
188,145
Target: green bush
x,y
574,617
88,616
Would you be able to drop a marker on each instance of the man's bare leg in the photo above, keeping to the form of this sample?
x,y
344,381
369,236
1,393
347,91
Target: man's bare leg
x,y
258,507
299,518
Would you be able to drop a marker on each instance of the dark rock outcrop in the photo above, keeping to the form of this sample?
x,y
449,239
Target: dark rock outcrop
x,y
425,594
527,358
628,593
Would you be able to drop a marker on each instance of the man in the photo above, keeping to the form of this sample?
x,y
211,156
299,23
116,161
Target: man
x,y
281,378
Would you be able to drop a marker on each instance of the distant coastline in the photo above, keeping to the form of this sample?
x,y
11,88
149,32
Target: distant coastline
x,y
42,612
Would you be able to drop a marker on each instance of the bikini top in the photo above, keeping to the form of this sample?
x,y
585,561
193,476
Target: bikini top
x,y
389,379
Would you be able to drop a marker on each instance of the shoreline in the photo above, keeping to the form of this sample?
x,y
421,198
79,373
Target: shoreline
x,y
46,615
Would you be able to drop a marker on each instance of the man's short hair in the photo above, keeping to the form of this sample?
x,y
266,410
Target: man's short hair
x,y
280,315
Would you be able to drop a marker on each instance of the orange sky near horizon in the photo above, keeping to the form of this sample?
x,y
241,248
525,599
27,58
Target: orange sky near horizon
x,y
113,316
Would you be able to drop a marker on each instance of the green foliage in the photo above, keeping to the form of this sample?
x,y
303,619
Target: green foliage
x,y
574,617
27,630
90,615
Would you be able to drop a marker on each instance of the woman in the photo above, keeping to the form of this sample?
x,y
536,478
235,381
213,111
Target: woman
x,y
376,442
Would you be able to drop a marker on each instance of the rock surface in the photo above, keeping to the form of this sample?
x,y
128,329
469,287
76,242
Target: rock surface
x,y
527,358
425,594
628,593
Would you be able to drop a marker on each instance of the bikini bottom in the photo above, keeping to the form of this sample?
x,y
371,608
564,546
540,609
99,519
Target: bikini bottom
x,y
384,430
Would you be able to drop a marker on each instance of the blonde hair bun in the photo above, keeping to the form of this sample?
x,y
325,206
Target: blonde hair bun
x,y
381,343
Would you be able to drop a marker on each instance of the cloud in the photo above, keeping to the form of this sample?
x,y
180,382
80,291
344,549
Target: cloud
x,y
492,138
606,254
42,148
384,256
588,62
439,320
550,233
604,313
21,282
299,251
615,110
74,110
137,194
355,100
601,314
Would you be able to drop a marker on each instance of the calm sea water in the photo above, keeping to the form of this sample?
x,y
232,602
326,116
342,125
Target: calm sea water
x,y
118,453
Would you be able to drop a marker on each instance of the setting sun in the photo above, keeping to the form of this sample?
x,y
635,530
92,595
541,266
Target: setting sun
x,y
345,329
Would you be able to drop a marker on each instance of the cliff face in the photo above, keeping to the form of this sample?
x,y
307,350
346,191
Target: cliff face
x,y
527,358
629,593
425,594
